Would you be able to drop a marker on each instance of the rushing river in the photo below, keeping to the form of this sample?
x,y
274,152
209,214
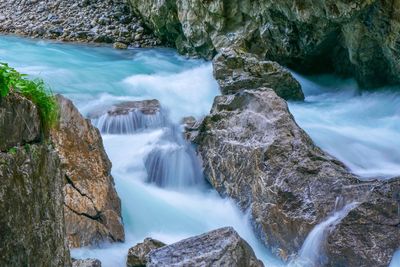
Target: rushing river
x,y
360,129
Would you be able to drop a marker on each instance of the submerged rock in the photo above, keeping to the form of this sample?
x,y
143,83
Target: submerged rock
x,y
20,122
130,117
222,247
359,38
86,263
92,206
254,152
137,254
236,70
32,230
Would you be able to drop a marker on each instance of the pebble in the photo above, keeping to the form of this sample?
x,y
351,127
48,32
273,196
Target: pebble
x,y
100,21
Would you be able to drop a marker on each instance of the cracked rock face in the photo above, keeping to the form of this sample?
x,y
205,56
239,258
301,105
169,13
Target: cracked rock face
x,y
32,230
254,152
221,247
92,206
356,37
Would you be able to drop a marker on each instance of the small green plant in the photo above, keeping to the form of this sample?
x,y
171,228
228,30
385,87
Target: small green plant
x,y
12,151
35,90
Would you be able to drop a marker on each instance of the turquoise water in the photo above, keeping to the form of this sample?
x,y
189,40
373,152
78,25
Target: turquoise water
x,y
361,129
97,77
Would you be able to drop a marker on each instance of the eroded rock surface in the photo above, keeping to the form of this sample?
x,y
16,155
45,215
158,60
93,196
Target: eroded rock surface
x,y
356,37
20,122
221,247
137,254
86,263
236,70
32,231
254,152
92,206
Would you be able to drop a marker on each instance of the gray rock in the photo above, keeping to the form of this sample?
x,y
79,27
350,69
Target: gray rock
x,y
222,247
73,20
254,152
21,122
137,254
32,230
86,263
236,70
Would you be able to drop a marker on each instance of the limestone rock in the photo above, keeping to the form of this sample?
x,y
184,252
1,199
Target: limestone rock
x,y
236,70
357,37
32,231
86,263
137,254
221,247
21,122
254,152
92,206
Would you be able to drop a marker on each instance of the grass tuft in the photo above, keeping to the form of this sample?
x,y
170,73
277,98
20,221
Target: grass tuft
x,y
35,90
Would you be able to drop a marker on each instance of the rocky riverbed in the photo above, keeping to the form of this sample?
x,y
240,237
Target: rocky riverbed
x,y
94,21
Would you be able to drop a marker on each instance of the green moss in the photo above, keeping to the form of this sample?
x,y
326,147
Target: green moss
x,y
12,151
34,90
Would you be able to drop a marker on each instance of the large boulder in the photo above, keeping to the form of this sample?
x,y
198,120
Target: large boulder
x,y
221,247
92,206
356,37
137,254
254,152
32,231
235,70
20,122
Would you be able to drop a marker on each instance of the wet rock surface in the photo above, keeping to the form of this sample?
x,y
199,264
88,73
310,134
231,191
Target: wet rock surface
x,y
92,206
221,247
21,122
236,70
137,254
95,21
254,152
86,263
358,37
32,230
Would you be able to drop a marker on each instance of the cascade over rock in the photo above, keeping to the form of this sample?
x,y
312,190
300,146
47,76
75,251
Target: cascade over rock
x,y
357,37
254,152
92,206
129,117
32,230
221,247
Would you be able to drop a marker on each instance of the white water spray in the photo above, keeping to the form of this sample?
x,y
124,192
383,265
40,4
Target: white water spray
x,y
311,253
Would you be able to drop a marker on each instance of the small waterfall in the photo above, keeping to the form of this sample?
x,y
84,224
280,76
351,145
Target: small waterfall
x,y
173,163
311,253
129,123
